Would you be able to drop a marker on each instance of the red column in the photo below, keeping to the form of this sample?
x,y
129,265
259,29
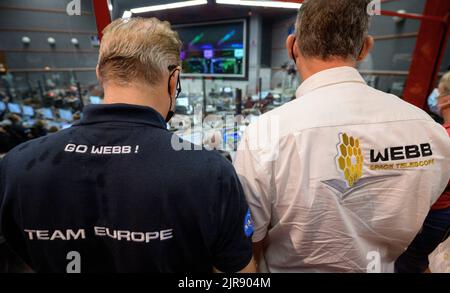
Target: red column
x,y
428,54
102,15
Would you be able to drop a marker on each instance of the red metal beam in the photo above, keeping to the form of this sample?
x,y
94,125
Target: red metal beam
x,y
102,15
413,16
428,54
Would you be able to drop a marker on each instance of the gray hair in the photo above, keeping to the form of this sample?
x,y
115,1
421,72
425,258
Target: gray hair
x,y
332,28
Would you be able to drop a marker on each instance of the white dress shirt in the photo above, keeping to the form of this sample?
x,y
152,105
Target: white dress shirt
x,y
342,178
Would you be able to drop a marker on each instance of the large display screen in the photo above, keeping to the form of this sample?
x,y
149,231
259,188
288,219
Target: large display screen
x,y
214,49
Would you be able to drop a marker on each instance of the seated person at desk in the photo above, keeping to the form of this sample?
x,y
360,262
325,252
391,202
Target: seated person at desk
x,y
249,103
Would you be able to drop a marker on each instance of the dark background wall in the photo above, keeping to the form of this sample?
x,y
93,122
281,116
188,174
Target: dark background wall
x,y
47,18
40,20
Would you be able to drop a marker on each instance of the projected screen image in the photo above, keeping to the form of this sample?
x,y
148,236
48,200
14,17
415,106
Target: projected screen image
x,y
214,49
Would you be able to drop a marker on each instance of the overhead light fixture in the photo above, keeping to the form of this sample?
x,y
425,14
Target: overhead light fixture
x,y
75,42
169,6
272,4
127,14
398,19
110,6
51,41
26,40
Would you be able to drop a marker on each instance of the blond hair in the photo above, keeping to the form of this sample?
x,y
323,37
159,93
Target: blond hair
x,y
445,84
137,49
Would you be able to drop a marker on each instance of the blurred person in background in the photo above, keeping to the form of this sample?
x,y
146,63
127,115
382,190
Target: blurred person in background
x,y
16,131
37,130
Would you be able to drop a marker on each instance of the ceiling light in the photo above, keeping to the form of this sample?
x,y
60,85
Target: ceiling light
x,y
26,40
127,14
51,41
74,41
169,6
272,4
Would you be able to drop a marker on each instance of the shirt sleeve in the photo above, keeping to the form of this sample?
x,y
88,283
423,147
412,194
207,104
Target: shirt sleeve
x,y
233,247
256,183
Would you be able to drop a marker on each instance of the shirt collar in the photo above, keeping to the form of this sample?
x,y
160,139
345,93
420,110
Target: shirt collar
x,y
329,77
93,114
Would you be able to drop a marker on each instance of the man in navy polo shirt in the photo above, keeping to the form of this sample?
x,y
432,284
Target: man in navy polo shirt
x,y
111,193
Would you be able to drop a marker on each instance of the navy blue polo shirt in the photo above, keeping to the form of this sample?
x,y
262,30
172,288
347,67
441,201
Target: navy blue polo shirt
x,y
114,190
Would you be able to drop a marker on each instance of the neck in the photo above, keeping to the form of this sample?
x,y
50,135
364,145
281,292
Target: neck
x,y
137,94
310,66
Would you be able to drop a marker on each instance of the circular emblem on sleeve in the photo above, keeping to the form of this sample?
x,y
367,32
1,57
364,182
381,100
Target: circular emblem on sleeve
x,y
248,224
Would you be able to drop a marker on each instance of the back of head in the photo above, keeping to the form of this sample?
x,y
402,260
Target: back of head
x,y
444,97
444,85
330,29
137,49
14,118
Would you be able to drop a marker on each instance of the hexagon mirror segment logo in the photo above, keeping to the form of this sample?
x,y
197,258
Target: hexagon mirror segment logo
x,y
350,159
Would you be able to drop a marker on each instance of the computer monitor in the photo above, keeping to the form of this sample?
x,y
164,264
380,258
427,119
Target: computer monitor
x,y
47,113
95,100
232,137
65,125
183,102
65,115
14,108
2,106
28,111
227,90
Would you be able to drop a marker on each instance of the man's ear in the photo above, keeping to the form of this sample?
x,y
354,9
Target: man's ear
x,y
97,72
369,43
173,83
290,45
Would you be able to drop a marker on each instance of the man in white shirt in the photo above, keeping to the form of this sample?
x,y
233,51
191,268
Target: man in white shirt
x,y
342,178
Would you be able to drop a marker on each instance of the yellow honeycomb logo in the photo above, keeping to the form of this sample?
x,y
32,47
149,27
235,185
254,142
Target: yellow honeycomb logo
x,y
350,159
